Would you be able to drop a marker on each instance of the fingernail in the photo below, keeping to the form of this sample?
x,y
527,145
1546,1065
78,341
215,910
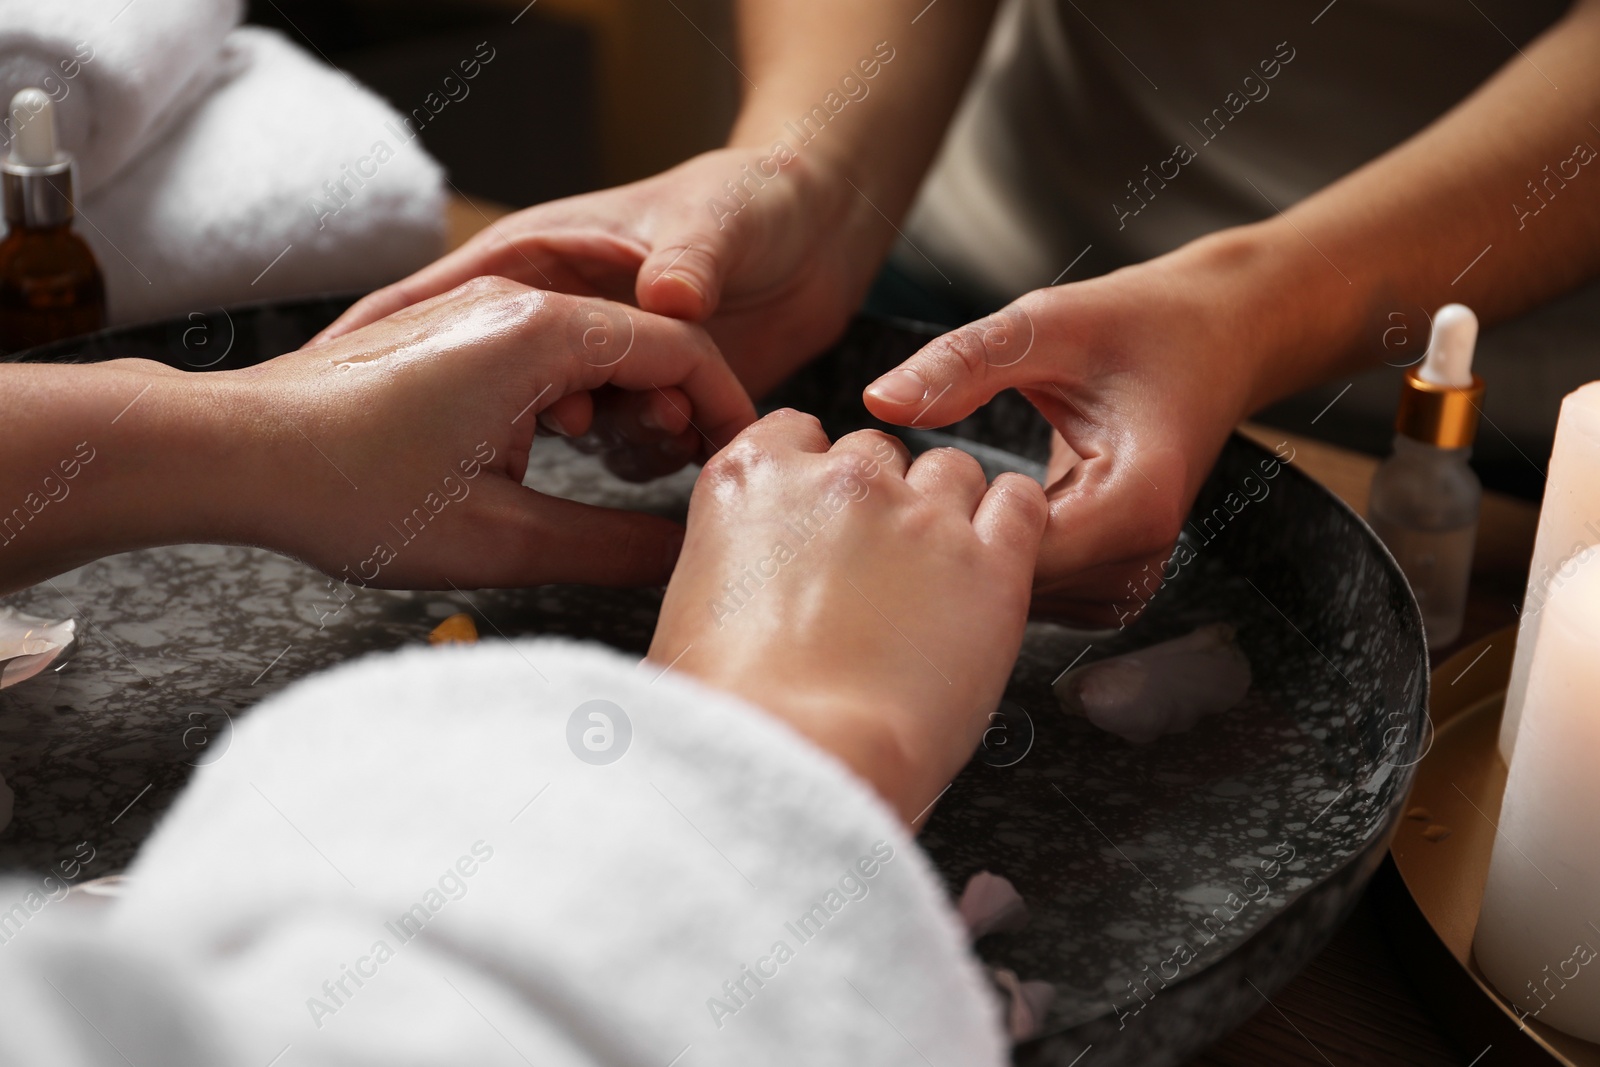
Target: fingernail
x,y
649,419
683,280
554,424
899,387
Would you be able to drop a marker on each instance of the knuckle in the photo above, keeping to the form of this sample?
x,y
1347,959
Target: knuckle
x,y
488,286
693,257
1023,496
954,461
600,332
844,471
374,300
692,260
876,442
734,466
511,303
962,353
1007,335
791,415
995,341
1026,511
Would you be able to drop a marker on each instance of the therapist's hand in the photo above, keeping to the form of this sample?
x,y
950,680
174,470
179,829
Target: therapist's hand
x,y
774,276
875,605
393,455
1143,373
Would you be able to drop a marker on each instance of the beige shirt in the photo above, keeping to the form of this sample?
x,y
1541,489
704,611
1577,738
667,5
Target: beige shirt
x,y
1137,126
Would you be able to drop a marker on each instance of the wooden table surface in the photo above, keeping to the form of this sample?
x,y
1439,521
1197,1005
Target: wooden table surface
x,y
1353,1004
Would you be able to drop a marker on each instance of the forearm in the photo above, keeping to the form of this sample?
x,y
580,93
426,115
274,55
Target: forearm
x,y
1449,215
105,458
795,53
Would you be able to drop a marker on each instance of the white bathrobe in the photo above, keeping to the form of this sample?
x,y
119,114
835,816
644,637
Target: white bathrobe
x,y
403,861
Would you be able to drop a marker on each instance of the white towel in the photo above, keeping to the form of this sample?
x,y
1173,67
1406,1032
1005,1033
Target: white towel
x,y
287,179
718,892
119,71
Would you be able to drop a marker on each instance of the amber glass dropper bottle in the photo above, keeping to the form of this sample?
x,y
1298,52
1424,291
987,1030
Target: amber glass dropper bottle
x,y
50,284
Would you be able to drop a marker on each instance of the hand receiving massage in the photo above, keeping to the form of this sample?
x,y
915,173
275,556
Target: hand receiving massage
x,y
392,456
820,583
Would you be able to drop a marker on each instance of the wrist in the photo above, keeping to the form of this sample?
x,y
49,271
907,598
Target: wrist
x,y
763,126
180,447
259,472
833,170
199,456
867,740
1290,317
112,457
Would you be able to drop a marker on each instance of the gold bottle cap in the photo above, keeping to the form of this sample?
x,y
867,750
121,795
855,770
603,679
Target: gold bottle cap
x,y
1441,415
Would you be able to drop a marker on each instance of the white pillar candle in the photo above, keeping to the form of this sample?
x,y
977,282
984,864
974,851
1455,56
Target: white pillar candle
x,y
1538,936
1569,522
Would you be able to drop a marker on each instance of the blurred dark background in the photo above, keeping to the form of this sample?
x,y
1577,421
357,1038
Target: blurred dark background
x,y
580,93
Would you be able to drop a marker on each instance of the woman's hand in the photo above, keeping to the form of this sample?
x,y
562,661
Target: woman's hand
x,y
1143,373
874,604
771,251
391,456
395,454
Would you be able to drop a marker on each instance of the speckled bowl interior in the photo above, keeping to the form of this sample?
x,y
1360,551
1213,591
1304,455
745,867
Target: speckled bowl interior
x,y
1172,886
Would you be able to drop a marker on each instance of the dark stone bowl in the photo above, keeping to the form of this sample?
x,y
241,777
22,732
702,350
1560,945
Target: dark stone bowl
x,y
1172,887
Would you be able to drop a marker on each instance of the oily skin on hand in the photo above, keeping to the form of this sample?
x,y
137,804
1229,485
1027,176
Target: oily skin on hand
x,y
392,456
850,636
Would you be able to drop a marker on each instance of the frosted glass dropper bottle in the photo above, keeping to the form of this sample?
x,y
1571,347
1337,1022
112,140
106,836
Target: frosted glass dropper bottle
x,y
1425,497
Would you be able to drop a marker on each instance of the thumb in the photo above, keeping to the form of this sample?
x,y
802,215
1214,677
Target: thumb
x,y
954,375
682,276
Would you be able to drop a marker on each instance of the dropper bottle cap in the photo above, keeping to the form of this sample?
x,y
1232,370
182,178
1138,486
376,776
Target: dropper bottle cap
x,y
35,177
1440,398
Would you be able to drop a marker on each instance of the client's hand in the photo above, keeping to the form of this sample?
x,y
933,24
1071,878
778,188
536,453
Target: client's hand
x,y
390,456
401,447
876,605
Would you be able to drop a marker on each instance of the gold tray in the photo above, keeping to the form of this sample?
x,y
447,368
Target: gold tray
x,y
1440,861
